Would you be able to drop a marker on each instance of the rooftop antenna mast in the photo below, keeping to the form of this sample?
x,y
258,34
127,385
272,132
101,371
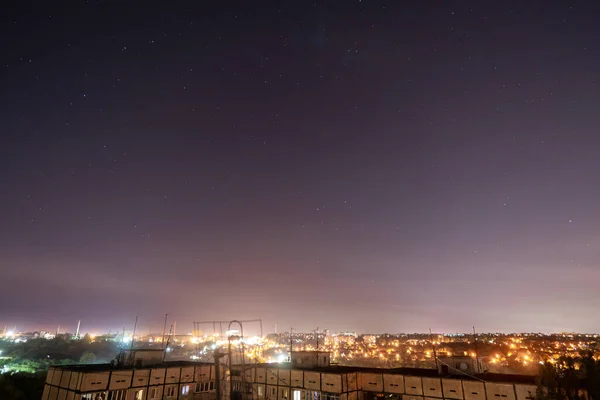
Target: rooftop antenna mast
x,y
133,333
77,331
291,342
167,344
475,345
243,374
164,331
131,358
433,346
123,340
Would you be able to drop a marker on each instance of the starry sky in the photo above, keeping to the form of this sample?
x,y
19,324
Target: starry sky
x,y
376,166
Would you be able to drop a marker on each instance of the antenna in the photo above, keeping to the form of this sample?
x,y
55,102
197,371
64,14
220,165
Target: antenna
x,y
475,345
243,372
77,331
291,342
317,338
164,331
433,346
133,333
167,345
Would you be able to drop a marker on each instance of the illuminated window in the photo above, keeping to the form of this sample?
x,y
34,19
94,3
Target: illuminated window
x,y
153,395
139,395
297,395
185,390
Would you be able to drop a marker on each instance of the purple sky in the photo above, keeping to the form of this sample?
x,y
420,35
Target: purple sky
x,y
355,165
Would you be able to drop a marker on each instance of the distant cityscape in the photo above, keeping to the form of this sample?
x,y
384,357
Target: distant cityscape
x,y
517,353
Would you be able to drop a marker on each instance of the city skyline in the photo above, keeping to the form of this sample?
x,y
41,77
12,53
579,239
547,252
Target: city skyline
x,y
366,166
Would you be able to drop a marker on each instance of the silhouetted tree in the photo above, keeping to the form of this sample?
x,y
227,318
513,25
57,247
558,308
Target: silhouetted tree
x,y
570,375
87,358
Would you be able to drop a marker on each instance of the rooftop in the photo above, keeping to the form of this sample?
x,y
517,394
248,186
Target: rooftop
x,y
115,367
422,372
332,369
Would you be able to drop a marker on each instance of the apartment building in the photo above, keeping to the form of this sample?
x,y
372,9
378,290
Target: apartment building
x,y
306,377
312,377
142,376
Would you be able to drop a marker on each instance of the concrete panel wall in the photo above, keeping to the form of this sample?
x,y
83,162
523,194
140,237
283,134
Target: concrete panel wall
x,y
249,374
65,378
353,396
411,397
353,382
284,377
371,382
331,383
413,385
74,381
46,392
452,389
71,395
141,377
56,377
62,394
94,381
312,380
525,392
157,376
49,375
500,391
432,387
272,378
474,390
173,375
393,383
120,380
297,378
261,375
187,374
204,373
53,393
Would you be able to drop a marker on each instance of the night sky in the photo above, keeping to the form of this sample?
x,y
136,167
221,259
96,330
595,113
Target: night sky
x,y
377,166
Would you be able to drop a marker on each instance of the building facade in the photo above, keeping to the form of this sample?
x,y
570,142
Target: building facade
x,y
171,380
279,382
306,377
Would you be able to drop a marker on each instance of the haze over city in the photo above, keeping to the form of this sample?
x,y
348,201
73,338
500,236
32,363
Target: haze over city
x,y
373,166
